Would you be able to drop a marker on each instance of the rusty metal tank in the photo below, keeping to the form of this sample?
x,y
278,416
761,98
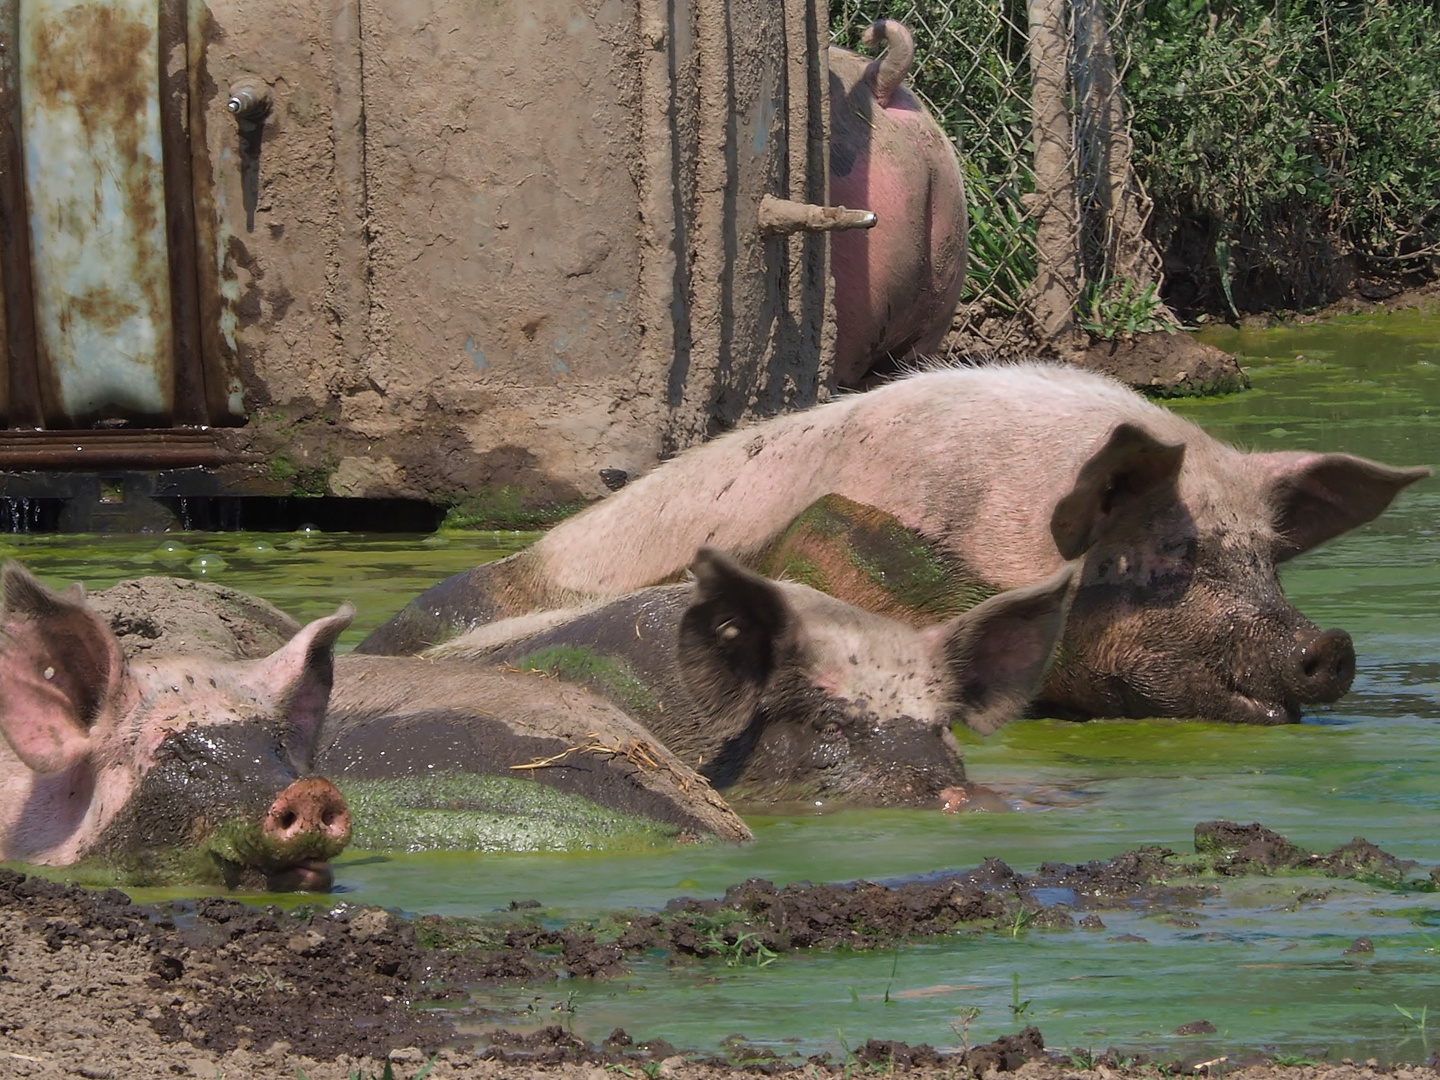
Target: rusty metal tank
x,y
420,248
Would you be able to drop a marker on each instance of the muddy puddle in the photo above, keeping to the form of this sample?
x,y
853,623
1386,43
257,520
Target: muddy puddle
x,y
1268,963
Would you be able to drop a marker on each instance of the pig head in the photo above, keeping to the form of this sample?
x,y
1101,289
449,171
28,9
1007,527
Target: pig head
x,y
196,761
897,284
775,691
1179,610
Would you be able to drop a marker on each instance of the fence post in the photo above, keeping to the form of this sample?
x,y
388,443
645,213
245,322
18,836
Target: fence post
x,y
1053,204
1113,207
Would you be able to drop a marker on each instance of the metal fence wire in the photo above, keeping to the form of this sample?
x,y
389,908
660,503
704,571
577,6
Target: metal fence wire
x,y
972,70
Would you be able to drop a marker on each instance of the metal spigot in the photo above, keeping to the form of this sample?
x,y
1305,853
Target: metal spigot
x,y
248,101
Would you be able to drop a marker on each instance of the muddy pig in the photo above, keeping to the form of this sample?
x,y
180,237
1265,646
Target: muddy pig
x,y
775,691
1010,470
187,761
897,284
396,718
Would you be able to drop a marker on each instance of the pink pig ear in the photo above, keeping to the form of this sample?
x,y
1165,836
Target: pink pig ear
x,y
1319,496
298,675
1133,466
59,666
998,652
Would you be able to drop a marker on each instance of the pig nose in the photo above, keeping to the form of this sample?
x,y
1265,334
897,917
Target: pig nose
x,y
312,807
1327,666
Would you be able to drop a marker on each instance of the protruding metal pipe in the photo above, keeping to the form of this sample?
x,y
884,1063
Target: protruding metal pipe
x,y
781,217
249,100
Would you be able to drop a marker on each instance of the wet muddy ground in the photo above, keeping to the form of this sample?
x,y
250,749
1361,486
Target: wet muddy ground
x,y
92,985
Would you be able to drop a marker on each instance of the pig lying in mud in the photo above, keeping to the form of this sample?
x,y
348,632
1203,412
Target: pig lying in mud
x,y
1008,471
394,719
403,718
176,757
897,284
775,691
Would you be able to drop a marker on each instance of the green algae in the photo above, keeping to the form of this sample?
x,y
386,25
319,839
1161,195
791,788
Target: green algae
x,y
905,566
183,870
306,575
469,812
910,569
804,571
505,507
610,675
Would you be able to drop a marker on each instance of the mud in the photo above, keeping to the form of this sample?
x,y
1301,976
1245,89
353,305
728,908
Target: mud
x,y
93,985
1165,365
1160,363
155,615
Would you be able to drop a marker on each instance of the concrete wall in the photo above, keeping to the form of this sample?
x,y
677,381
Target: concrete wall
x,y
490,242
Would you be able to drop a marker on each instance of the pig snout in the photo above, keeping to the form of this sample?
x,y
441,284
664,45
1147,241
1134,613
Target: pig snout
x,y
307,824
1325,666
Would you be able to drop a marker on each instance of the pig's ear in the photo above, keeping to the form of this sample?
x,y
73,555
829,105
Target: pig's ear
x,y
730,635
1132,466
298,675
1319,496
59,665
998,652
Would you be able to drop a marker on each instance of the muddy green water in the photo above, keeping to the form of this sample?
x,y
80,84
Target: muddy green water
x,y
1264,963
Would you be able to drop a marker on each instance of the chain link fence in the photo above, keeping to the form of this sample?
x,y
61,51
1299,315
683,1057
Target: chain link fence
x,y
972,69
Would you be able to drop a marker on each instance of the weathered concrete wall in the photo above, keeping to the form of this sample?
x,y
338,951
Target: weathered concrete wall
x,y
506,243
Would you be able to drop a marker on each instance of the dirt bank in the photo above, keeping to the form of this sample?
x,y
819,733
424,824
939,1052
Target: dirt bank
x,y
94,986
1161,363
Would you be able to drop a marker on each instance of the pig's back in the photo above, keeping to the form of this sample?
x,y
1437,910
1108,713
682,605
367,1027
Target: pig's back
x,y
974,458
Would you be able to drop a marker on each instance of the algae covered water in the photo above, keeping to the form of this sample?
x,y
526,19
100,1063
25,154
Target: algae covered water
x,y
1269,963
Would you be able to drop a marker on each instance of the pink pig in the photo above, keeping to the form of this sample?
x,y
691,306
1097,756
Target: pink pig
x,y
133,761
1008,471
897,284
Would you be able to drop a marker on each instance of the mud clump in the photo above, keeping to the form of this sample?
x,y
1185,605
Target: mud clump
x,y
756,919
554,1045
1233,849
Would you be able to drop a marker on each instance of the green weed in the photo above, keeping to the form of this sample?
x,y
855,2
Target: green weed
x,y
1018,1008
894,968
1120,308
1417,1022
1021,920
735,952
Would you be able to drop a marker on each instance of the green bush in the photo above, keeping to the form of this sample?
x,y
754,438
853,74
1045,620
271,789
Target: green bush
x,y
1276,138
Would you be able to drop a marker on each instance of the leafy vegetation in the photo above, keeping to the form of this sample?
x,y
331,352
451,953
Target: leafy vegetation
x,y
1279,136
1110,309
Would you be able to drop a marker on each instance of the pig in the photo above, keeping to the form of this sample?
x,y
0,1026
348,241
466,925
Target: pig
x,y
162,758
896,284
1010,471
774,691
391,718
398,717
